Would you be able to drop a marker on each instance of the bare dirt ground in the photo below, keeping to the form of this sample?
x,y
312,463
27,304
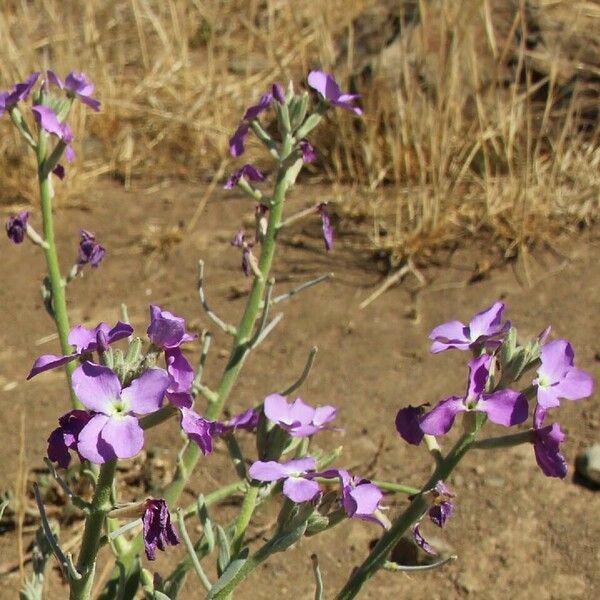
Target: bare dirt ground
x,y
517,533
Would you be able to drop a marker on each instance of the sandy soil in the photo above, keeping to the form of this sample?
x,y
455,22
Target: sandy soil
x,y
517,533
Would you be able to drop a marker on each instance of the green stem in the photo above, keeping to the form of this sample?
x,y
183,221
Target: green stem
x,y
216,496
413,513
388,486
101,505
504,441
59,302
243,519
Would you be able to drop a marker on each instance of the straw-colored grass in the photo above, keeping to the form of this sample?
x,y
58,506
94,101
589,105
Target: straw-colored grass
x,y
480,115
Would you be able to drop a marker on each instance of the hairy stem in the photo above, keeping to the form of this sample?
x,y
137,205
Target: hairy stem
x,y
90,543
57,286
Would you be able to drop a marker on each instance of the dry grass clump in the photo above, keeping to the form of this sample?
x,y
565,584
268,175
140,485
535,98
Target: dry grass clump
x,y
481,115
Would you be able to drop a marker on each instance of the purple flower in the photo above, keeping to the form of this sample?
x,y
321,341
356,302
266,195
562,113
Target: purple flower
x,y
326,224
483,328
238,139
76,84
546,446
16,227
421,541
408,424
47,119
181,376
558,378
158,530
298,419
198,429
85,342
308,151
326,85
504,407
442,507
114,431
166,330
90,251
19,92
240,240
295,485
249,172
248,421
360,498
65,437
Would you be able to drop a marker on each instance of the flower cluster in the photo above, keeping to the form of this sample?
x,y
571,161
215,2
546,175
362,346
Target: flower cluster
x,y
486,335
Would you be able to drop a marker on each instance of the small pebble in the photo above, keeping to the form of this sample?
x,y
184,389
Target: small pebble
x,y
587,464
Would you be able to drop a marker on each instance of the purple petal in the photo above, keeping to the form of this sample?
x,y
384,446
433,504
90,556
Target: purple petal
x,y
504,407
441,418
325,84
300,413
299,466
408,424
299,489
58,451
166,330
363,500
54,79
180,371
249,172
546,446
198,429
440,513
180,399
47,120
65,437
96,387
238,139
146,393
89,445
326,226
84,338
119,331
547,397
324,415
452,334
276,409
556,356
122,436
422,542
575,385
253,111
479,371
91,102
59,171
308,151
49,361
267,471
278,93
79,83
158,530
20,91
488,322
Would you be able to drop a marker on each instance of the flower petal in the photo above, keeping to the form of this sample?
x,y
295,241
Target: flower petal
x,y
299,489
546,446
277,409
504,407
441,418
88,443
146,393
488,322
180,371
576,384
556,356
408,424
49,361
267,471
363,500
121,435
96,386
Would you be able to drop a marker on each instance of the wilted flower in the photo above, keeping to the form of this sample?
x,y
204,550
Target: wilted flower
x,y
408,424
295,485
248,171
298,419
308,151
66,436
238,139
442,507
278,93
483,330
326,85
158,529
503,407
19,92
326,225
76,85
114,431
558,378
16,227
90,251
85,342
241,240
421,541
198,429
546,446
